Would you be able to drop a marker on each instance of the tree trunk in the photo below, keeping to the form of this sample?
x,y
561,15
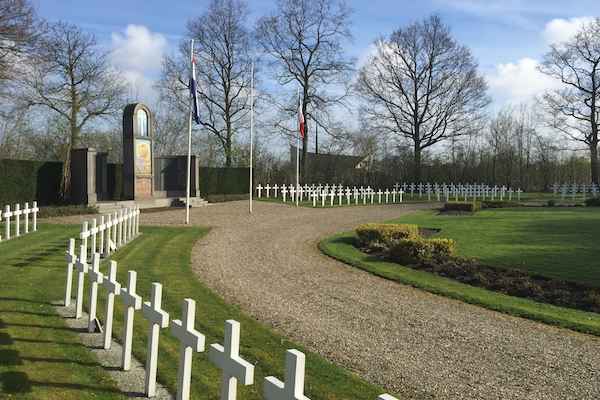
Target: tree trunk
x,y
594,162
417,163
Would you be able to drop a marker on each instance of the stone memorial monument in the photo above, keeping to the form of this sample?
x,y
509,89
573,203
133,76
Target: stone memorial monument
x,y
138,157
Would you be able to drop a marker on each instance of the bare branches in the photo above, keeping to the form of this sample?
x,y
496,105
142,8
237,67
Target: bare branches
x,y
575,107
422,85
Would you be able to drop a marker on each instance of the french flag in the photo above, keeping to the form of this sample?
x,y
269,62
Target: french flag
x,y
301,121
194,92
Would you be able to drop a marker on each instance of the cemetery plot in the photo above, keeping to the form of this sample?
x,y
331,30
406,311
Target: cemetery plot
x,y
39,351
318,195
559,244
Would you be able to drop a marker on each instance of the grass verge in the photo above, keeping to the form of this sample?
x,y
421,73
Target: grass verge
x,y
341,247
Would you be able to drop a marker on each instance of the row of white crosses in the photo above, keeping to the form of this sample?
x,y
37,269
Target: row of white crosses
x,y
331,195
574,189
17,212
459,192
112,232
226,357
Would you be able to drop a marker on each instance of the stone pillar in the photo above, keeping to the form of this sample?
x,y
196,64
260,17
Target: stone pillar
x,y
83,176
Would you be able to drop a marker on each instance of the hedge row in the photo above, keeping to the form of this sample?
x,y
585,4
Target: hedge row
x,y
224,180
25,180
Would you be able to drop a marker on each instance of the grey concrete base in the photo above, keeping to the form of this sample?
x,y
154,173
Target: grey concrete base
x,y
130,382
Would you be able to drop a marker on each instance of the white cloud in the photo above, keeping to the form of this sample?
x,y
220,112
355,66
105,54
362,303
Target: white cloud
x,y
560,30
519,82
138,53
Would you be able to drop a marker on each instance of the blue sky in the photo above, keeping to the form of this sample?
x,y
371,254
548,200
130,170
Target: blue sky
x,y
507,37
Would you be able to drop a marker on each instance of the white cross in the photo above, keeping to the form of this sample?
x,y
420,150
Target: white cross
x,y
314,196
120,226
293,388
35,210
96,277
323,197
82,269
26,212
190,341
132,303
268,188
113,289
284,193
259,188
340,195
379,193
387,196
101,230
275,188
332,198
386,396
85,233
227,358
93,232
17,213
7,214
71,259
158,318
108,241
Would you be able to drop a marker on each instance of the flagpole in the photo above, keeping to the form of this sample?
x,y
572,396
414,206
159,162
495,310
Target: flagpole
x,y
189,154
298,153
251,129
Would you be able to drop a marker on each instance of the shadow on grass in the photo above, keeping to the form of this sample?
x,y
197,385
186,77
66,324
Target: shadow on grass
x,y
22,300
16,382
36,257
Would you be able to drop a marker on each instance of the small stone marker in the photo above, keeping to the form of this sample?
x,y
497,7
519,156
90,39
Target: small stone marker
x,y
114,289
82,269
158,319
96,277
191,341
71,259
293,388
227,358
132,302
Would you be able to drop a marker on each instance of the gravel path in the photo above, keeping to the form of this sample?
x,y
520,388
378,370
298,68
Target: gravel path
x,y
411,342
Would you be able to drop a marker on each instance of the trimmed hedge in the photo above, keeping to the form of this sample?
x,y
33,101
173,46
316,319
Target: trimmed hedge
x,y
593,202
25,180
416,250
224,180
499,204
63,211
462,207
377,236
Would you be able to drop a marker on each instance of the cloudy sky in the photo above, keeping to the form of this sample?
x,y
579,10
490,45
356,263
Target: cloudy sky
x,y
508,37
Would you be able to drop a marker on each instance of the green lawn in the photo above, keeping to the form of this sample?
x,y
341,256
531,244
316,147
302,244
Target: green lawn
x,y
34,276
554,242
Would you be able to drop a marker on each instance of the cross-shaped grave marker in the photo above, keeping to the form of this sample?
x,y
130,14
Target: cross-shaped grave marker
x,y
293,388
26,212
133,302
259,189
158,318
268,189
17,213
227,358
101,230
71,260
35,210
93,233
7,214
96,277
114,289
85,234
190,341
82,269
108,241
284,193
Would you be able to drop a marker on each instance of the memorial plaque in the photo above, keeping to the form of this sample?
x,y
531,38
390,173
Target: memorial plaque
x,y
138,156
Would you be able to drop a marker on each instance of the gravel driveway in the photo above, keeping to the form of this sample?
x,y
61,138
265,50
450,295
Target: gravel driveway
x,y
411,342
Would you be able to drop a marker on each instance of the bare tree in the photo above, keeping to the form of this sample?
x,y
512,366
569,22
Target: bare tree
x,y
18,30
575,107
304,39
72,79
422,85
223,56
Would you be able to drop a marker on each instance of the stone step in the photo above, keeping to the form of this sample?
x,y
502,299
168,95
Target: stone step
x,y
107,207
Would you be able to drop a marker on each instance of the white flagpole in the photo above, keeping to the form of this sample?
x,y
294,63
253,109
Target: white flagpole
x,y
298,149
189,155
251,129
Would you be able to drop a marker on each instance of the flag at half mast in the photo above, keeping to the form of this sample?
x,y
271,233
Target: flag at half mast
x,y
194,93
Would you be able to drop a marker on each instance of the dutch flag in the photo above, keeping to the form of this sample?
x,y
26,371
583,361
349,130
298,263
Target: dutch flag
x,y
194,93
